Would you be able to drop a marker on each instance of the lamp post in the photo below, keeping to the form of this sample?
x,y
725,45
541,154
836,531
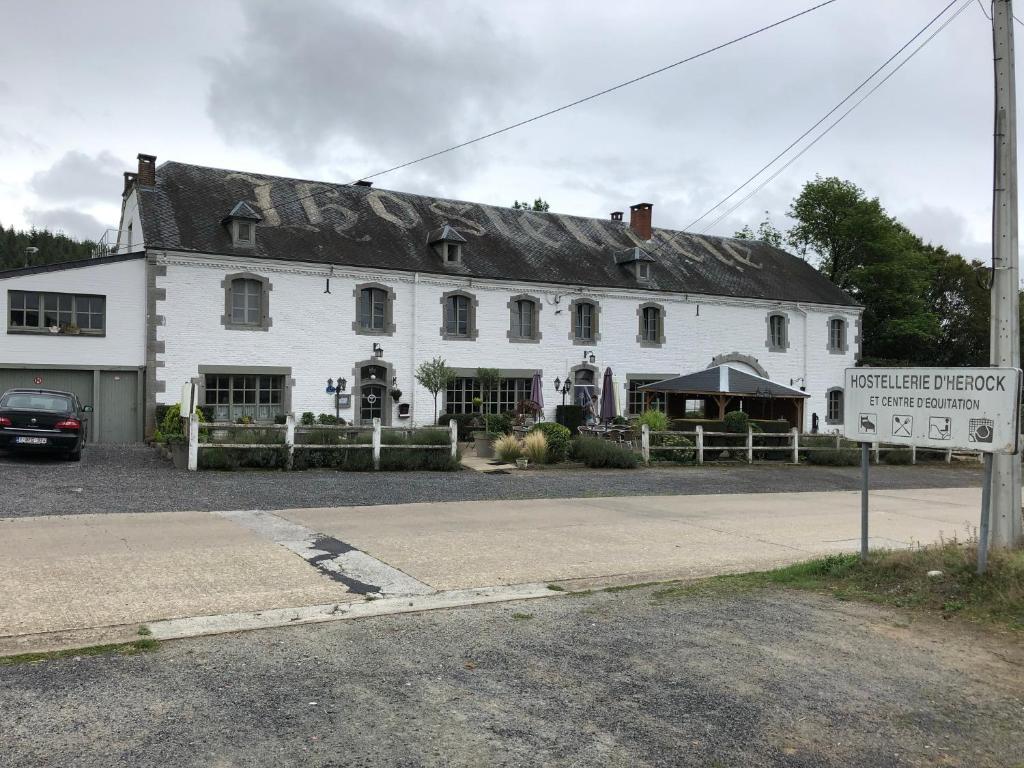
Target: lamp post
x,y
563,388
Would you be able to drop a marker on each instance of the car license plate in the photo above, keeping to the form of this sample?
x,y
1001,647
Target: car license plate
x,y
31,440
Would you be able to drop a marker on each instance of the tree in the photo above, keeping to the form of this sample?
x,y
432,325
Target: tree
x,y
538,205
766,231
434,376
489,379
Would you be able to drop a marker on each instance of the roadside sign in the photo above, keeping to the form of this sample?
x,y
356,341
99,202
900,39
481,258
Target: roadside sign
x,y
970,409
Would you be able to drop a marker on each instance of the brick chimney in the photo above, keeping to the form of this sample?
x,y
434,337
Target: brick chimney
x,y
147,171
640,220
129,181
616,215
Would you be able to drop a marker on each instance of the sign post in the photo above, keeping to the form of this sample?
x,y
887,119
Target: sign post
x,y
946,409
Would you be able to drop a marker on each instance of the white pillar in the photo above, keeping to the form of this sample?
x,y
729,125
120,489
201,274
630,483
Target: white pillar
x,y
645,442
193,442
289,437
796,445
376,443
700,444
750,445
453,430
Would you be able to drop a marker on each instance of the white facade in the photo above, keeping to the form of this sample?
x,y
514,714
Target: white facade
x,y
311,333
123,342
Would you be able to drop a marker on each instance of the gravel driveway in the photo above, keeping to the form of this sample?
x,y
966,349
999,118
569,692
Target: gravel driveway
x,y
750,679
137,479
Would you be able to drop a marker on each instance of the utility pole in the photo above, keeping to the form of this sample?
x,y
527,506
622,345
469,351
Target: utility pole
x,y
1005,332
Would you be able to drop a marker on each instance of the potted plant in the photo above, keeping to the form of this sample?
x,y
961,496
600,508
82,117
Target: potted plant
x,y
396,394
483,441
522,462
71,329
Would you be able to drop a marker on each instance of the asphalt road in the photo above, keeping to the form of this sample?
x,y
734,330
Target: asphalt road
x,y
136,479
624,679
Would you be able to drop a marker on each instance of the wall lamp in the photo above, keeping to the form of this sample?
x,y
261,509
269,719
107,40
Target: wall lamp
x,y
378,350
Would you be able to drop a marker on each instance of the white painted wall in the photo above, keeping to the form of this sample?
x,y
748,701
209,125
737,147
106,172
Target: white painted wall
x,y
124,285
130,226
312,332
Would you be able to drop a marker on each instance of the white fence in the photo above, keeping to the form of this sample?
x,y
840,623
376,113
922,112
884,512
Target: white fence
x,y
769,443
291,431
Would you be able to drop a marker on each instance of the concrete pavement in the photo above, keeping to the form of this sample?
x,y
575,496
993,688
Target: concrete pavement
x,y
62,579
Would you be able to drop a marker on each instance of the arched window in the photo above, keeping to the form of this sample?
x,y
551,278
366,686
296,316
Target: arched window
x,y
246,302
459,321
651,332
836,334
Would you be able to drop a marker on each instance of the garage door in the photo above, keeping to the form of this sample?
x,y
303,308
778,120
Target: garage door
x,y
116,417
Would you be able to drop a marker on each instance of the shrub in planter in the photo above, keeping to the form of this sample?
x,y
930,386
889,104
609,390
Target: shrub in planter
x,y
171,428
683,454
597,454
500,423
535,447
328,420
901,456
569,416
507,448
655,420
559,440
281,418
620,421
308,419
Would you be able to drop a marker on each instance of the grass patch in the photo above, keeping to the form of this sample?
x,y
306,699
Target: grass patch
x,y
124,649
556,588
899,579
144,631
522,616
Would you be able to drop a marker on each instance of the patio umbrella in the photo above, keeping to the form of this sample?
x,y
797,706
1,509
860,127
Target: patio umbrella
x,y
608,410
537,390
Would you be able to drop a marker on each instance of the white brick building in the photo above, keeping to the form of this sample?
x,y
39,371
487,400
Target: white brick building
x,y
237,270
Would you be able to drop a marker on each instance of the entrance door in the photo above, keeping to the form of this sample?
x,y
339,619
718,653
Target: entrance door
x,y
371,403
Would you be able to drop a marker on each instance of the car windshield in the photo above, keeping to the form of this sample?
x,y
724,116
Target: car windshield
x,y
37,401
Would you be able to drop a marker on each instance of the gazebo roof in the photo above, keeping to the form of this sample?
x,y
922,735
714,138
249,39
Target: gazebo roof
x,y
724,380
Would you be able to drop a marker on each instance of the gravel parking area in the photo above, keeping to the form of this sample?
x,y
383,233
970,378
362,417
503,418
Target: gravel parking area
x,y
137,479
751,679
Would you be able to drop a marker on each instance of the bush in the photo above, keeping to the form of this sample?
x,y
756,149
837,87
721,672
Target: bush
x,y
308,419
507,448
499,424
329,420
171,428
901,456
569,416
351,460
535,447
736,421
597,453
281,418
684,454
249,458
832,457
656,421
559,440
467,423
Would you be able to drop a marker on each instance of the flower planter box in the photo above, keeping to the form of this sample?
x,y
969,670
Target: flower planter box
x,y
483,444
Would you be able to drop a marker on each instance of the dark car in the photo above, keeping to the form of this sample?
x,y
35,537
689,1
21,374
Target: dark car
x,y
43,420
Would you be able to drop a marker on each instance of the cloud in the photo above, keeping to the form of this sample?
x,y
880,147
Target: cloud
x,y
941,225
78,177
314,82
71,222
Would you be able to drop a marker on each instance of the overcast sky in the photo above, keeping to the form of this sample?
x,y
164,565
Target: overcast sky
x,y
339,90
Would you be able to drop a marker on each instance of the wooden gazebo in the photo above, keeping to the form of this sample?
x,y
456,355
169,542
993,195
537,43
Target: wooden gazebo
x,y
725,386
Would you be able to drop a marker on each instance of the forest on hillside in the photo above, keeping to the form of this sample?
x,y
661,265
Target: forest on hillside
x,y
53,247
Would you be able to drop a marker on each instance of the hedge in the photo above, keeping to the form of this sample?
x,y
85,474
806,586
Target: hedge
x,y
599,454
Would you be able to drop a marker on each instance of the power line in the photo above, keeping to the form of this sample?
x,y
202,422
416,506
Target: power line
x,y
838,120
606,91
823,118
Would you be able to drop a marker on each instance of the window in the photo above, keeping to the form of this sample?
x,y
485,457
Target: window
x,y
585,321
372,308
643,270
637,402
244,232
523,319
459,322
234,396
246,298
778,336
31,311
650,326
836,334
462,390
834,406
246,302
453,253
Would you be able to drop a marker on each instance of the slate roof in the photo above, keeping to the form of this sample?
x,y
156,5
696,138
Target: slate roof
x,y
362,226
724,380
243,210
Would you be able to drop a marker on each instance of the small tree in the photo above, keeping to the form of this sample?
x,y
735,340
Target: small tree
x,y
538,204
489,379
434,376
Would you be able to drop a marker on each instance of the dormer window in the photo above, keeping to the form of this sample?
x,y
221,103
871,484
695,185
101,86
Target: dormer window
x,y
241,224
638,261
447,243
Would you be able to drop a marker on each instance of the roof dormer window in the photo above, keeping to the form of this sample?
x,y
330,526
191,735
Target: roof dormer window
x,y
638,261
241,224
643,270
447,243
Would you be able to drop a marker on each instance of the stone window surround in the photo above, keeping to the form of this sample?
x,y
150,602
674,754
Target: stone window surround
x,y
640,325
845,345
768,338
473,304
536,336
247,370
389,310
595,322
739,357
597,378
357,389
842,405
236,240
265,319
